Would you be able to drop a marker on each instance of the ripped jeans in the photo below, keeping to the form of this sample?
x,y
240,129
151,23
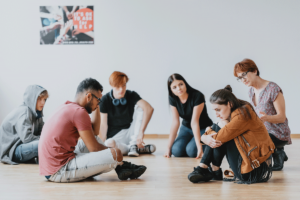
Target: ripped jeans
x,y
85,164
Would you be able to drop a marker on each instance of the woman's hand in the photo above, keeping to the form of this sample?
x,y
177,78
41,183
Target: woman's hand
x,y
210,141
168,153
263,116
199,153
207,128
222,123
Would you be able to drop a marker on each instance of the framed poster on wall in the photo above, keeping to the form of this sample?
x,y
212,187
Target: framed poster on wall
x,y
66,25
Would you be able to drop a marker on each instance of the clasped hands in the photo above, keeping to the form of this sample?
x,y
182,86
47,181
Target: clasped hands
x,y
209,140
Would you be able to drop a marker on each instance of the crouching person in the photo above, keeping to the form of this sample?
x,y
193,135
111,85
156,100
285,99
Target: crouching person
x,y
21,129
63,158
241,136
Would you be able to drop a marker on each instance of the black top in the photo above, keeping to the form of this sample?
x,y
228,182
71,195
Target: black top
x,y
119,117
186,110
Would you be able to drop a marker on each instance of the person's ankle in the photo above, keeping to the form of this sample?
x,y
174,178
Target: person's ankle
x,y
215,168
202,165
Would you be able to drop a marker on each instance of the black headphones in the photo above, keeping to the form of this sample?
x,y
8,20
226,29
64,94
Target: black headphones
x,y
117,102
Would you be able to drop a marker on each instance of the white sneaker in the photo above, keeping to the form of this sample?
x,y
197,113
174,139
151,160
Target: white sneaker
x,y
133,151
148,149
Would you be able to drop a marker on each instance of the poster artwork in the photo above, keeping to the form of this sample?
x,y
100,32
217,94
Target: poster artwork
x,y
63,25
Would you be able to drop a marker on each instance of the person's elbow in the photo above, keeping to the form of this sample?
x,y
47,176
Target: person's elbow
x,y
151,109
282,119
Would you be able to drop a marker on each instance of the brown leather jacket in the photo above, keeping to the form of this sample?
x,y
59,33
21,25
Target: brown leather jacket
x,y
251,138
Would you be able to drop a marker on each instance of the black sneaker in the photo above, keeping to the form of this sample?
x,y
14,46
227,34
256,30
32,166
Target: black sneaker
x,y
137,170
218,175
123,174
200,174
148,149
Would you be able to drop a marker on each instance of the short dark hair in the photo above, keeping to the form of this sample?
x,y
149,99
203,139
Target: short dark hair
x,y
89,84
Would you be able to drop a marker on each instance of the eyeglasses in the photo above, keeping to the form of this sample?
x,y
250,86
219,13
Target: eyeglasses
x,y
239,79
99,100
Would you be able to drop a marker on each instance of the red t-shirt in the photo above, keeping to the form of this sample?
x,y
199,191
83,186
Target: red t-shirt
x,y
60,136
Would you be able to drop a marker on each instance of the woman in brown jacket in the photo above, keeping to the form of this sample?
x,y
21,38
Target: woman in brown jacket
x,y
241,136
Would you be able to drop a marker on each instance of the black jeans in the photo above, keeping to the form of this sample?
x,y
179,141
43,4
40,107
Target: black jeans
x,y
279,144
216,155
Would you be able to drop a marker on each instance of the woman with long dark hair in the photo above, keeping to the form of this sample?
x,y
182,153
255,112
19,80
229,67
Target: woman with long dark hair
x,y
241,136
268,101
189,104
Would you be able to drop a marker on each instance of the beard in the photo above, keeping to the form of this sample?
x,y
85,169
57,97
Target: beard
x,y
88,107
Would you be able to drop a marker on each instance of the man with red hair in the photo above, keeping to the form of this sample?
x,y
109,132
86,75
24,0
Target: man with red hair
x,y
124,118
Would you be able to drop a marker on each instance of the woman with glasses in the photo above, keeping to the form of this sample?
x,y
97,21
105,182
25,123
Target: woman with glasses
x,y
189,104
267,99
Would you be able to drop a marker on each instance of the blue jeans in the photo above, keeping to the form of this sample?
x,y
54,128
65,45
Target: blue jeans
x,y
185,144
25,152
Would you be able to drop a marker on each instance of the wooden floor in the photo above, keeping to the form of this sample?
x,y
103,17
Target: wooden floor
x,y
164,179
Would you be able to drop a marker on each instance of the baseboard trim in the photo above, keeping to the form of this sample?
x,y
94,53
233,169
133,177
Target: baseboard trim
x,y
167,135
156,136
295,135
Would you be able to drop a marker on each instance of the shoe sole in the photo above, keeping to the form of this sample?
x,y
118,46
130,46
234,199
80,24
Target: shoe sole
x,y
138,172
195,178
133,155
125,175
198,178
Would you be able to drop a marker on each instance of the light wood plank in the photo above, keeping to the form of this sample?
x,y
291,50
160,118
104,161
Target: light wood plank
x,y
164,179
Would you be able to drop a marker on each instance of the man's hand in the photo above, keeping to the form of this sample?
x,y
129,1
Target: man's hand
x,y
70,15
54,26
264,117
57,17
67,27
210,141
75,32
140,140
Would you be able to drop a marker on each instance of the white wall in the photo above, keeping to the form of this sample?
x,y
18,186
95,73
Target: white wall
x,y
149,40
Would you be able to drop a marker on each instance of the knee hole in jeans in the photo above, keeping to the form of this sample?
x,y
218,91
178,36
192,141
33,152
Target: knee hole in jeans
x,y
117,154
110,143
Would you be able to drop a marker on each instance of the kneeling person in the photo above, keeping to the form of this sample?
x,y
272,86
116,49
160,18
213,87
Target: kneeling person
x,y
124,118
61,160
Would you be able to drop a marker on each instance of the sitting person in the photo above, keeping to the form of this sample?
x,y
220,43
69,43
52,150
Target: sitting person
x,y
65,159
189,104
241,136
124,118
267,99
21,129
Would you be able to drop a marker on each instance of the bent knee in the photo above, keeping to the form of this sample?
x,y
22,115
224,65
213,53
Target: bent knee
x,y
191,152
110,143
117,154
178,152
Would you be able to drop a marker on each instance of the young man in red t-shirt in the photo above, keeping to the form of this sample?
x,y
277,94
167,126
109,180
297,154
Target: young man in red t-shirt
x,y
63,158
